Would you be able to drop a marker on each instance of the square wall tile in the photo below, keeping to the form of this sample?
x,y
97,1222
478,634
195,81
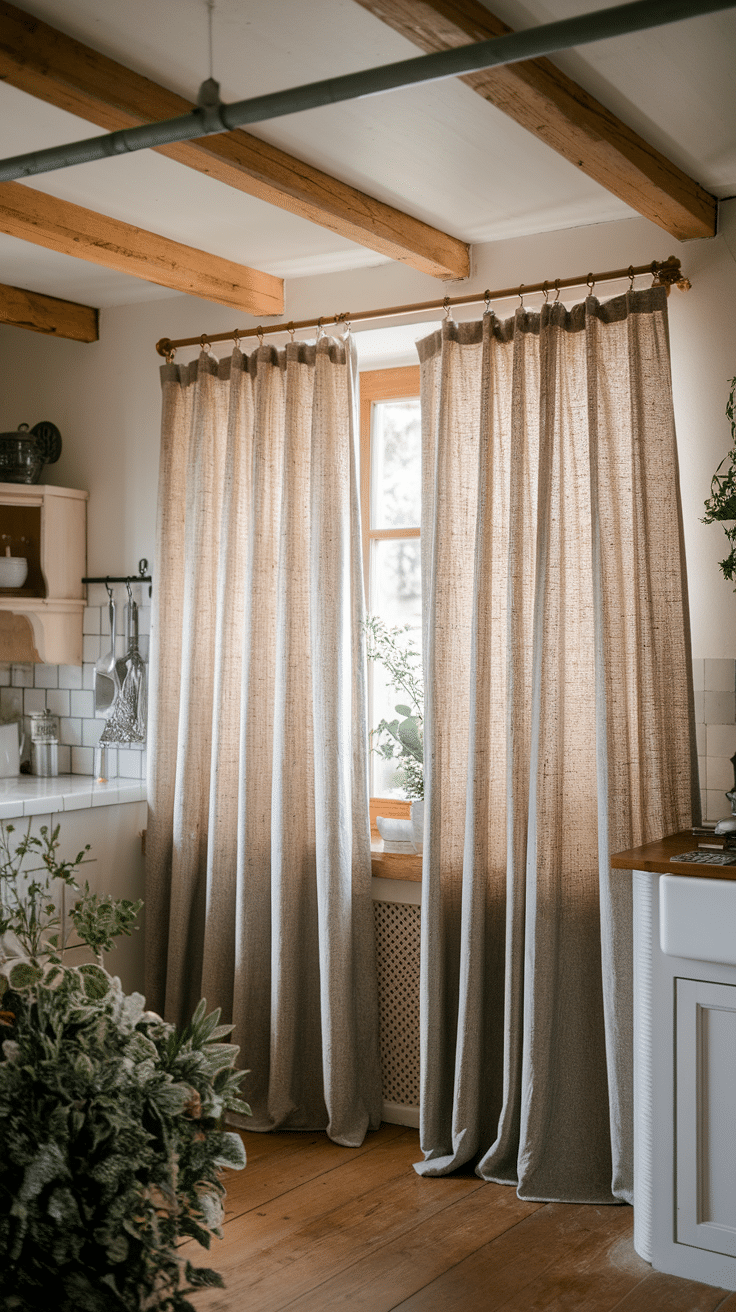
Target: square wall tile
x,y
719,676
90,648
88,677
65,759
70,731
70,676
34,701
720,739
82,704
4,676
719,707
91,730
82,760
91,619
717,807
46,676
129,764
57,701
719,773
22,676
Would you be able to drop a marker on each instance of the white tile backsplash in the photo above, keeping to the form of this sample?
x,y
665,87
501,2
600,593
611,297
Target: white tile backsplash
x,y
68,691
715,714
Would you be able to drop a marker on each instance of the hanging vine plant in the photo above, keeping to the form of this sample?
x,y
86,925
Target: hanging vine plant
x,y
721,504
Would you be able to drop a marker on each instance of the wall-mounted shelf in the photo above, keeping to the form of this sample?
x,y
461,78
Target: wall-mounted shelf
x,y
42,621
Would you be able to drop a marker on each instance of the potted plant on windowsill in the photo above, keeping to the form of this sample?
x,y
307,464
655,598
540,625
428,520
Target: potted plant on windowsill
x,y
111,1134
401,739
721,504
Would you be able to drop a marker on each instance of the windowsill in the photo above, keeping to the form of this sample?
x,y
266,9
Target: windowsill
x,y
394,865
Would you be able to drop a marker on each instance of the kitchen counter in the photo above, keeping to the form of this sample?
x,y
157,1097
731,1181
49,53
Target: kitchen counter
x,y
28,795
656,858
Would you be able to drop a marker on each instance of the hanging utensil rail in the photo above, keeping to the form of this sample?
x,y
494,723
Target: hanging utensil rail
x,y
140,577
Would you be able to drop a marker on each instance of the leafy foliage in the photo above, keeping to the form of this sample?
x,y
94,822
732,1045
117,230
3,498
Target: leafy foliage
x,y
400,739
111,1134
721,504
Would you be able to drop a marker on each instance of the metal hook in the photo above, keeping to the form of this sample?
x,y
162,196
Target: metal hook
x,y
487,298
557,285
109,589
590,283
236,340
171,352
446,307
631,277
521,298
320,329
291,330
130,594
204,343
259,335
546,293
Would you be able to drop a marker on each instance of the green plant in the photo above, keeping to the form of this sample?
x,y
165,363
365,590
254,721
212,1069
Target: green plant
x,y
111,1134
721,504
401,739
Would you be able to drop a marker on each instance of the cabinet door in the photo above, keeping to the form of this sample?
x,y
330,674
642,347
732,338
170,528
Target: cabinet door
x,y
706,1115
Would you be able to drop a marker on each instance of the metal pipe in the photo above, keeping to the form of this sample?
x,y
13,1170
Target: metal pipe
x,y
665,272
210,117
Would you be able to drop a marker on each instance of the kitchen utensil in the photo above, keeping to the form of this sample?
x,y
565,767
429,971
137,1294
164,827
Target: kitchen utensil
x,y
44,727
107,680
126,722
11,746
45,759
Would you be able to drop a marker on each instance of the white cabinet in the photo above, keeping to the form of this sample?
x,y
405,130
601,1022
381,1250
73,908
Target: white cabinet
x,y
42,621
705,1115
685,1076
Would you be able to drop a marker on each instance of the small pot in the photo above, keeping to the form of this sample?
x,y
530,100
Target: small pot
x,y
13,571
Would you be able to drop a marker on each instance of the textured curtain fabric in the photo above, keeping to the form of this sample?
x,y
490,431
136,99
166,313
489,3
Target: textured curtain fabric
x,y
559,728
258,849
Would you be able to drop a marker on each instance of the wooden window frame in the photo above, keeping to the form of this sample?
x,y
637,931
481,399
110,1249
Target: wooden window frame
x,y
384,385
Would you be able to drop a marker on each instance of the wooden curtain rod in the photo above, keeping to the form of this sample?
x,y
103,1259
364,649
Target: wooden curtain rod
x,y
666,273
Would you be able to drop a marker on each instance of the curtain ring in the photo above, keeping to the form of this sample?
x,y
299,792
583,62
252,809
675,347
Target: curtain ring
x,y
204,343
521,298
590,283
557,286
487,298
546,293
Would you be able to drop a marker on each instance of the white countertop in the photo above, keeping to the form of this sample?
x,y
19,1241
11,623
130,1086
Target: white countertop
x,y
27,794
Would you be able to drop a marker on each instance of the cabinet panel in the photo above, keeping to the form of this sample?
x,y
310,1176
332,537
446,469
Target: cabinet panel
x,y
706,1115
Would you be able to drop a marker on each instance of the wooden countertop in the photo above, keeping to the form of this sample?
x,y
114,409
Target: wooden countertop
x,y
656,857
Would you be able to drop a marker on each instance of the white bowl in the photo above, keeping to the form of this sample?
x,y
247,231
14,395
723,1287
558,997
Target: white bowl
x,y
13,571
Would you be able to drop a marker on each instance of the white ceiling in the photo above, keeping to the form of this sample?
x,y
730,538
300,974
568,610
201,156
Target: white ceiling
x,y
440,152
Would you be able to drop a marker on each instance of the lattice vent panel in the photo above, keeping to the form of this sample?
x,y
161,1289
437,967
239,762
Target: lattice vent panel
x,y
397,951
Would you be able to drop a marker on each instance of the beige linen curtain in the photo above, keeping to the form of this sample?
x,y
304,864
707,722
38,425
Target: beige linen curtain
x,y
559,729
258,851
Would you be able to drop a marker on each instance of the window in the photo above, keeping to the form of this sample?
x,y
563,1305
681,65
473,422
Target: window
x,y
391,445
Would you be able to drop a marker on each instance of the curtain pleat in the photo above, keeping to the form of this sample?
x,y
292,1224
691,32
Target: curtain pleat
x,y
258,851
558,729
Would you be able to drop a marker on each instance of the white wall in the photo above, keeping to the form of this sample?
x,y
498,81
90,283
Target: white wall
x,y
105,397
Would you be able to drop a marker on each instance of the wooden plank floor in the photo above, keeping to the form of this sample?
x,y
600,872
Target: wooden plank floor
x,y
315,1227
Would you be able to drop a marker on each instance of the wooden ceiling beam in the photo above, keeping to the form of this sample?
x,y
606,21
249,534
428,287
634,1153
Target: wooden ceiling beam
x,y
551,106
47,314
45,220
54,67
